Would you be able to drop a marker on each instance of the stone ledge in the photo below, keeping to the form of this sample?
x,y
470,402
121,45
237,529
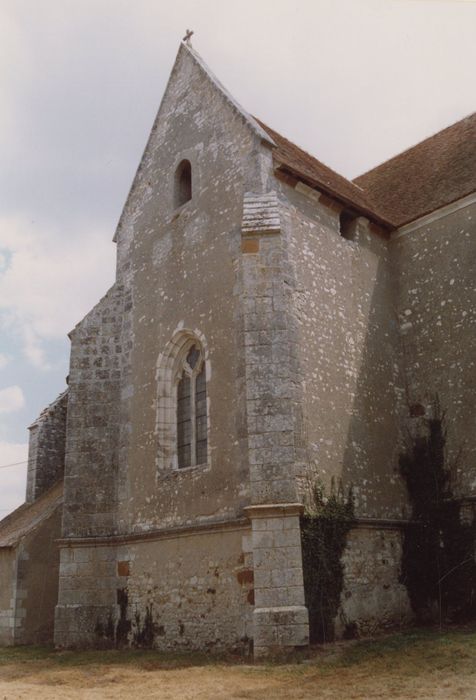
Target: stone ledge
x,y
282,615
380,523
274,510
162,534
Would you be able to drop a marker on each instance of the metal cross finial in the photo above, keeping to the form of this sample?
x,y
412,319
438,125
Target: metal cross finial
x,y
188,36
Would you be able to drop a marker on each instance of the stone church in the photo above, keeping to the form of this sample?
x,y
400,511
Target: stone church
x,y
272,325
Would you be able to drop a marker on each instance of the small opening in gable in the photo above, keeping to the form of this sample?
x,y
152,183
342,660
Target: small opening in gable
x,y
183,183
347,225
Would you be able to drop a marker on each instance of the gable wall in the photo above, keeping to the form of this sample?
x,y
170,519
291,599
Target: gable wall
x,y
185,270
176,269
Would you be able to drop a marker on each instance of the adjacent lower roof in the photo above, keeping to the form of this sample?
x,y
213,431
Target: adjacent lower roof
x,y
426,177
292,159
26,518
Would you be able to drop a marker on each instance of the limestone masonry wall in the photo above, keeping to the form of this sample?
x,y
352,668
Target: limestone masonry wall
x,y
97,355
184,271
372,598
189,591
86,611
37,582
437,311
7,593
179,270
317,348
348,353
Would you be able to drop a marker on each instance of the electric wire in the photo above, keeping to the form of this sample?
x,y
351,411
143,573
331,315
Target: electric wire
x,y
13,464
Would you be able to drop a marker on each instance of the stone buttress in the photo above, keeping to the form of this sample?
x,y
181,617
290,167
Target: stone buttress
x,y
280,615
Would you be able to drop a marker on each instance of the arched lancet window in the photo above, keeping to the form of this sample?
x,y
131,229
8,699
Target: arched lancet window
x,y
182,403
192,410
183,183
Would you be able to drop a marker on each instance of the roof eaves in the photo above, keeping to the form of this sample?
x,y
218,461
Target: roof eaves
x,y
432,210
319,185
15,525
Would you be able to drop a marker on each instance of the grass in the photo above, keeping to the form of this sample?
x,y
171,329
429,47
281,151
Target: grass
x,y
42,656
414,664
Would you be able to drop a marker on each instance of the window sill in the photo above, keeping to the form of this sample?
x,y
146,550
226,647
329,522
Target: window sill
x,y
179,211
175,472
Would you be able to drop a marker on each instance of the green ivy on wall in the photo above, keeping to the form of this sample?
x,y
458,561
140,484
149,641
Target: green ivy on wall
x,y
438,561
324,529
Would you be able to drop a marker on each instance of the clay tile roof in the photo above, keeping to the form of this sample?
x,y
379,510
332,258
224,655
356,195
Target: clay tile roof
x,y
436,172
305,167
29,515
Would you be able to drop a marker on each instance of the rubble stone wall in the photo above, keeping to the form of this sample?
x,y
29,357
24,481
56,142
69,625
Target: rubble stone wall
x,y
46,449
191,590
373,598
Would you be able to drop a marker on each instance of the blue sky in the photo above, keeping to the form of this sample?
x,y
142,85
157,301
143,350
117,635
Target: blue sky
x,y
352,81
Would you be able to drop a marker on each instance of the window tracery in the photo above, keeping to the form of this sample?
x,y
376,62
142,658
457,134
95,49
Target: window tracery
x,y
182,403
192,410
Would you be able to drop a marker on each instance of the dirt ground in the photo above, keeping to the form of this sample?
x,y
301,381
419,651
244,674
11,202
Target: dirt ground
x,y
420,664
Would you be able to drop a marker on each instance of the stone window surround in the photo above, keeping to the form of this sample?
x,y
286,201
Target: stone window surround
x,y
193,156
169,371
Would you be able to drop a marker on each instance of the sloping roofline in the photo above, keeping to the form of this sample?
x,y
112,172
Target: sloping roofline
x,y
29,515
247,118
428,176
303,166
425,177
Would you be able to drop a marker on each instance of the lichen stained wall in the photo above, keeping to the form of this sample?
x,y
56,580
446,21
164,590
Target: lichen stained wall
x,y
7,593
348,349
436,265
37,582
86,613
372,597
98,357
193,591
46,448
184,264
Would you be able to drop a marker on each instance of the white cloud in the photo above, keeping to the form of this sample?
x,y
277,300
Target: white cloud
x,y
11,399
4,360
51,281
12,479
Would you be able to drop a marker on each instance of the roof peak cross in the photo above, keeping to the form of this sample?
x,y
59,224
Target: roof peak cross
x,y
188,36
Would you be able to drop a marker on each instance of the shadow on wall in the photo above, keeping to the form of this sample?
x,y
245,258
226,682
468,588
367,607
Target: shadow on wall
x,y
370,460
